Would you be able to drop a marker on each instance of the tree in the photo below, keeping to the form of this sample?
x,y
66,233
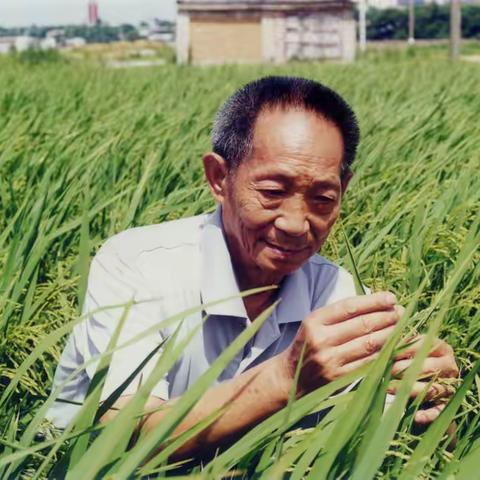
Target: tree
x,y
431,21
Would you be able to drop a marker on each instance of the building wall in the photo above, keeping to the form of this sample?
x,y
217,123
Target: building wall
x,y
273,34
273,37
313,36
382,3
183,38
225,41
348,34
5,47
325,35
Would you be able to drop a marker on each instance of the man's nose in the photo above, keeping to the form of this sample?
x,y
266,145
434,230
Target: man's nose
x,y
293,220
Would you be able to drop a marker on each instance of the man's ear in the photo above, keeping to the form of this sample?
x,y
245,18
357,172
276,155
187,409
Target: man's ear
x,y
345,180
216,171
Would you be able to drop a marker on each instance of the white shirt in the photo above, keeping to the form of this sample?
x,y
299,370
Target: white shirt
x,y
181,264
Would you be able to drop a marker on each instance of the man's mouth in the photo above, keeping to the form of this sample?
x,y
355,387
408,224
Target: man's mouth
x,y
284,249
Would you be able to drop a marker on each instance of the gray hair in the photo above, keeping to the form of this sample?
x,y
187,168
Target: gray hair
x,y
232,134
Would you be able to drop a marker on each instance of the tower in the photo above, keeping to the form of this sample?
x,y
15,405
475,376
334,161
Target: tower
x,y
92,12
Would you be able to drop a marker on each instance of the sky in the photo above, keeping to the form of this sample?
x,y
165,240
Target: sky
x,y
54,12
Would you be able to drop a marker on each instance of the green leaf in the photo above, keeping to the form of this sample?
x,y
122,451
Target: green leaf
x,y
435,432
359,288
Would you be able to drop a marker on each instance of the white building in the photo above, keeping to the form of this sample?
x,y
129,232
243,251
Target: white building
x,y
75,42
48,43
24,42
253,31
161,35
382,3
7,44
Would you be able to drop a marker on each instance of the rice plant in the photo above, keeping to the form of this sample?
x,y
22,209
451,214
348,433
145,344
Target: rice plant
x,y
86,152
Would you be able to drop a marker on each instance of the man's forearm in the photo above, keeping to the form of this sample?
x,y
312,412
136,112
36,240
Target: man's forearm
x,y
247,399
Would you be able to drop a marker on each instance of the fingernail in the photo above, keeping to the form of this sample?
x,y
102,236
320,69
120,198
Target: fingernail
x,y
390,299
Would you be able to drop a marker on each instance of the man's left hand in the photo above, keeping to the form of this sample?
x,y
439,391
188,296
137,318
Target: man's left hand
x,y
440,366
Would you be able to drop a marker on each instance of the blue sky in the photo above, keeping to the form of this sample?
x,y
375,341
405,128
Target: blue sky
x,y
49,12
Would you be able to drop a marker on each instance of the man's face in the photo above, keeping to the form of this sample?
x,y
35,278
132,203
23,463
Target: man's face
x,y
282,201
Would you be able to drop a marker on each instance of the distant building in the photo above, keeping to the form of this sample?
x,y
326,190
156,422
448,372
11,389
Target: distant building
x,y
253,31
165,34
48,43
25,42
54,38
158,31
75,42
163,37
57,33
381,4
7,44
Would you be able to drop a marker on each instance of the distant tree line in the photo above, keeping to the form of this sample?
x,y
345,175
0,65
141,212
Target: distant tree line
x,y
100,33
431,22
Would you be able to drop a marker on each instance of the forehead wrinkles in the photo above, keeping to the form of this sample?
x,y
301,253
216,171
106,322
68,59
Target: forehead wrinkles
x,y
291,118
308,173
295,133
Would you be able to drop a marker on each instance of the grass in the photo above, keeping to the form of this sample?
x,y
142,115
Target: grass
x,y
86,152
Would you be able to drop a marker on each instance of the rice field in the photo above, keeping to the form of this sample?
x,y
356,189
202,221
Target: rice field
x,y
86,152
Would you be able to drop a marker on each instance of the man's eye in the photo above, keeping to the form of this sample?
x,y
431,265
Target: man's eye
x,y
273,193
324,199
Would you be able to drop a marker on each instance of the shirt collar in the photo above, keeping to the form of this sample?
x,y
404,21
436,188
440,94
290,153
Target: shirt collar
x,y
218,279
295,302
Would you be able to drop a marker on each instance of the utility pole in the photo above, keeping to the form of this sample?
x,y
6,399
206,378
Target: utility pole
x,y
411,22
362,7
455,28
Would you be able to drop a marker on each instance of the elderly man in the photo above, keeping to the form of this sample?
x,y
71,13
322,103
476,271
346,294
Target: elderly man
x,y
280,165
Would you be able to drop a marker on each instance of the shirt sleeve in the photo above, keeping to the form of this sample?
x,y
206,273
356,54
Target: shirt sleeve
x,y
112,282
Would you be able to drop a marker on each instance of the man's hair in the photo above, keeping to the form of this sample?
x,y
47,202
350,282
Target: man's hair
x,y
232,134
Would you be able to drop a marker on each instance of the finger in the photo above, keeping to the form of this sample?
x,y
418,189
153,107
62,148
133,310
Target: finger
x,y
427,416
435,391
352,366
354,306
362,347
363,325
439,348
413,345
440,366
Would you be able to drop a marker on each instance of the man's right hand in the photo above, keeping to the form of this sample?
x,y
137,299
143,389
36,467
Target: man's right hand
x,y
339,338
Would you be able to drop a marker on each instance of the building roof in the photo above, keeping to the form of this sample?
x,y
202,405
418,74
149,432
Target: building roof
x,y
261,5
249,2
